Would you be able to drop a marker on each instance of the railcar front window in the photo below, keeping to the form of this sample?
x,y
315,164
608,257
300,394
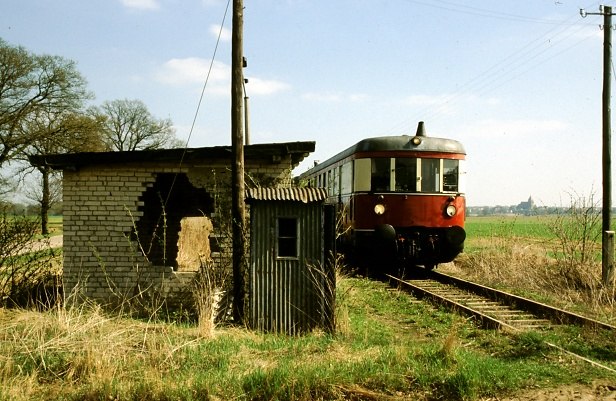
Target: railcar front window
x,y
450,175
381,173
430,177
406,175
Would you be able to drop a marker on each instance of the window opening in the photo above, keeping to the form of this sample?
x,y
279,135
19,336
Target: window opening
x,y
381,175
163,206
430,177
450,175
406,174
346,178
287,237
362,174
333,182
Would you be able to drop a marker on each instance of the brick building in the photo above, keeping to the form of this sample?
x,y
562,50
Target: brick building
x,y
127,214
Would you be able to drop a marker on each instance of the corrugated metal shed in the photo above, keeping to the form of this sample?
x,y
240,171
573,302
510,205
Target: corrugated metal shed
x,y
290,290
305,195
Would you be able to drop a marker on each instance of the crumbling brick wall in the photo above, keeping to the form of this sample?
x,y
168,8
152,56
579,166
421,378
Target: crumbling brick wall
x,y
104,256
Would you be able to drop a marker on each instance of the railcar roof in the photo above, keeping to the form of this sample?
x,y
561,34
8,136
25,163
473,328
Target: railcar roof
x,y
396,143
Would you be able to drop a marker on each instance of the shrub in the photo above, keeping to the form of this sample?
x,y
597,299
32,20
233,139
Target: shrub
x,y
28,276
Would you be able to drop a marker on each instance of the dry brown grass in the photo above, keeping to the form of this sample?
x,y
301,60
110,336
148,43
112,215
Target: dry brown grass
x,y
82,345
528,268
193,242
208,290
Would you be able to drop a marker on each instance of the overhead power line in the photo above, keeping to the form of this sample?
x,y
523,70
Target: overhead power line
x,y
209,72
527,58
482,12
207,78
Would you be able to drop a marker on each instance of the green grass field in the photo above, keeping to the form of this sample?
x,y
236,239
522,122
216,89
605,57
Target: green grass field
x,y
532,227
387,345
55,225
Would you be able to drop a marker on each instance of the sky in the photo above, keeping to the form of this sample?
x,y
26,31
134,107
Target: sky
x,y
517,82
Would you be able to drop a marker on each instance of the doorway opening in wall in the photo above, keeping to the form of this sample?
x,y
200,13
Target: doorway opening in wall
x,y
174,226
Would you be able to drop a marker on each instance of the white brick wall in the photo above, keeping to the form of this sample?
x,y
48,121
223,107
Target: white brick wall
x,y
101,207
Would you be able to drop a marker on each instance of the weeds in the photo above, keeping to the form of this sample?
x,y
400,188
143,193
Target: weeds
x,y
562,269
28,276
208,291
578,235
395,349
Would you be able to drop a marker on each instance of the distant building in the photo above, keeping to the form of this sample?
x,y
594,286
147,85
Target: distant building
x,y
526,207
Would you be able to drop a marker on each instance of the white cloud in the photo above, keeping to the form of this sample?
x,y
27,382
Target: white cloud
x,y
257,86
334,97
194,70
141,4
225,33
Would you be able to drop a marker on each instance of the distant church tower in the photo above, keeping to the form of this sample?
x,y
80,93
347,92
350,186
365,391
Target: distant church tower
x,y
526,207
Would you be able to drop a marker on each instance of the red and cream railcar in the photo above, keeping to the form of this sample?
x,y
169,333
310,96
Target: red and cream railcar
x,y
399,199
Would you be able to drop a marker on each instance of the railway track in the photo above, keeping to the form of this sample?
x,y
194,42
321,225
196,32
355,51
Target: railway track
x,y
495,309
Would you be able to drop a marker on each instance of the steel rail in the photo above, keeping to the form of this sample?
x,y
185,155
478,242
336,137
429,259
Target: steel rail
x,y
556,315
490,315
501,305
486,321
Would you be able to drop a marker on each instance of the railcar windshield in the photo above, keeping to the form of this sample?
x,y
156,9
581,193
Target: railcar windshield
x,y
406,175
414,175
451,170
380,178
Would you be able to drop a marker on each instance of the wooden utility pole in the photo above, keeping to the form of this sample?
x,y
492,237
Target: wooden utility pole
x,y
607,243
237,167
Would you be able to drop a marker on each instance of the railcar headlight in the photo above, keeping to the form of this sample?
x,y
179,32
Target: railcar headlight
x,y
451,210
379,209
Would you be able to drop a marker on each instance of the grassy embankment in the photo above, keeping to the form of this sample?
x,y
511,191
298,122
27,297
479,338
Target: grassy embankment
x,y
387,346
553,259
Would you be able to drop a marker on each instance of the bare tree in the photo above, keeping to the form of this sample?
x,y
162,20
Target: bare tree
x,y
42,101
28,83
129,126
60,131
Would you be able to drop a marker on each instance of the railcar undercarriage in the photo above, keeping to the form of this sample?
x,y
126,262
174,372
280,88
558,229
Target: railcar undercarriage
x,y
408,247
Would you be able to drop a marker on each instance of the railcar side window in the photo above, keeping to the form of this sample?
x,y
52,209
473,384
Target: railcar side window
x,y
334,184
450,175
381,173
361,174
461,176
346,178
430,177
406,175
287,237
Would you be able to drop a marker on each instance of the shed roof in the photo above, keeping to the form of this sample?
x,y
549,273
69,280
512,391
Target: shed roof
x,y
297,150
305,195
